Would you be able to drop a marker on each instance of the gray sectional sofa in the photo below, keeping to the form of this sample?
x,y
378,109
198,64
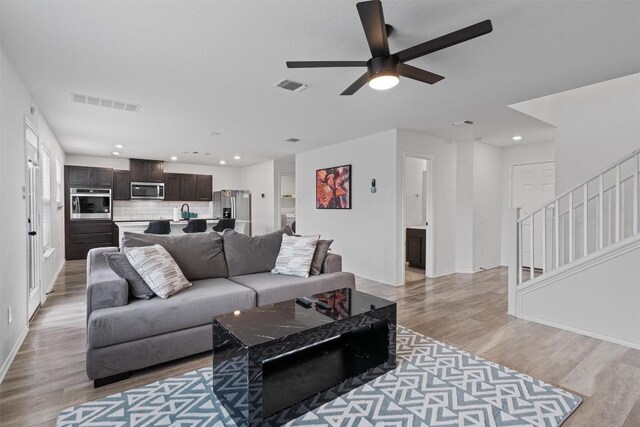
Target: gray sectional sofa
x,y
228,273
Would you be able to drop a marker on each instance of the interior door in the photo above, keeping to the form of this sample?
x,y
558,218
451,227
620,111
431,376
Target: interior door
x,y
34,248
531,186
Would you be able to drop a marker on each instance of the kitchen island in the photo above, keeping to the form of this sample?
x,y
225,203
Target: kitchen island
x,y
138,226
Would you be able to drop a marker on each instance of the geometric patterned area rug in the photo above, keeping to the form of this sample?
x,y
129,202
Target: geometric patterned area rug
x,y
434,384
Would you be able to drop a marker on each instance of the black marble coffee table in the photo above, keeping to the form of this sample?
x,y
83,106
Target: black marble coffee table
x,y
272,364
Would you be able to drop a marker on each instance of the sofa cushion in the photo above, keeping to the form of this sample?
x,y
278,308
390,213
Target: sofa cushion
x,y
257,254
193,307
199,255
272,288
120,264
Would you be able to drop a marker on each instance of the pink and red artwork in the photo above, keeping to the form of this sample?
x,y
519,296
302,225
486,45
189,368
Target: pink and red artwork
x,y
333,188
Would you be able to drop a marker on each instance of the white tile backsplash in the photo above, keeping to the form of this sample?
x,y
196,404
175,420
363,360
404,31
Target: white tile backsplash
x,y
124,210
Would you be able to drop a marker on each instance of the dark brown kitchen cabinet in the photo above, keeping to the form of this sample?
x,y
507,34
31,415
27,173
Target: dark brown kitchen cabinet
x,y
171,189
187,185
416,247
146,170
82,236
184,187
204,188
82,176
121,185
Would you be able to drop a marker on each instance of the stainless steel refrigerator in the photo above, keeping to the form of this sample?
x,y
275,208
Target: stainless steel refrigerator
x,y
232,204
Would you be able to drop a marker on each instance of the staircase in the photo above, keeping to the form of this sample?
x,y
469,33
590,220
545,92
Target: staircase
x,y
575,261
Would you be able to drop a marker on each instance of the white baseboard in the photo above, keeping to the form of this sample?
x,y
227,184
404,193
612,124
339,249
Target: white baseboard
x,y
580,331
12,355
52,283
446,273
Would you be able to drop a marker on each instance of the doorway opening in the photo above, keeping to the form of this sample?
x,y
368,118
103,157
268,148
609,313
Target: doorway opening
x,y
418,260
287,200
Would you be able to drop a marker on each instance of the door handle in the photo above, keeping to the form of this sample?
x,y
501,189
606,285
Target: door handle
x,y
32,233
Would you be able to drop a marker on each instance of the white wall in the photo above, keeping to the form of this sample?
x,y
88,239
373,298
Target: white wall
x,y
464,207
259,179
224,178
414,198
597,125
487,205
364,235
15,103
599,299
518,155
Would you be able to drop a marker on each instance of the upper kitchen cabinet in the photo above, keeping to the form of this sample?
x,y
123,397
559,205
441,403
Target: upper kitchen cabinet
x,y
184,187
187,186
82,176
204,188
121,185
171,187
146,170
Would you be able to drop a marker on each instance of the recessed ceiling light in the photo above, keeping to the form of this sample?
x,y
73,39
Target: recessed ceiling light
x,y
119,146
222,162
115,153
236,157
517,138
174,158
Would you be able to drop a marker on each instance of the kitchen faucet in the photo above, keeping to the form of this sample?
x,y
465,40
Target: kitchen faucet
x,y
182,210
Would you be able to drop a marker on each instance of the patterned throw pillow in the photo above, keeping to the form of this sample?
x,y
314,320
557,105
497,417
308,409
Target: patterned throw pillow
x,y
158,269
295,255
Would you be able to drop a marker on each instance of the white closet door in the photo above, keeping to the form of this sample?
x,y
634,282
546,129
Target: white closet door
x,y
531,186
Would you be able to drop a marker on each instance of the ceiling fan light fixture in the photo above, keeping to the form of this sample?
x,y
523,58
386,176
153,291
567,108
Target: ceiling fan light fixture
x,y
383,81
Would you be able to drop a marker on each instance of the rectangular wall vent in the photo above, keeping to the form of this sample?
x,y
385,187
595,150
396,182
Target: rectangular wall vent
x,y
292,86
102,102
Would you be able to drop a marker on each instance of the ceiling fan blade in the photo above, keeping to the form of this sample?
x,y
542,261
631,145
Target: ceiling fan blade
x,y
362,80
448,40
319,64
419,74
374,28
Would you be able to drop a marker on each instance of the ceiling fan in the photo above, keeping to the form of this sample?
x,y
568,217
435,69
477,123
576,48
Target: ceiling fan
x,y
384,69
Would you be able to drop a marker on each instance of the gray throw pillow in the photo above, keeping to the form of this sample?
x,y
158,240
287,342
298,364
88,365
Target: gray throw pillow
x,y
322,247
199,255
122,267
248,255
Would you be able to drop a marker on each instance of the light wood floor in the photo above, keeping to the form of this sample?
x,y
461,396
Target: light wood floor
x,y
465,310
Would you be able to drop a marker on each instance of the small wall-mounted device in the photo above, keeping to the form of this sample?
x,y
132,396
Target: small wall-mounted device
x,y
262,195
373,185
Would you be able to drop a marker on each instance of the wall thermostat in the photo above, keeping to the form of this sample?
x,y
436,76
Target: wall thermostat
x,y
373,185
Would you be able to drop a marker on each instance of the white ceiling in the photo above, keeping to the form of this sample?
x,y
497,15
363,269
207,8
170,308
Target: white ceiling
x,y
202,66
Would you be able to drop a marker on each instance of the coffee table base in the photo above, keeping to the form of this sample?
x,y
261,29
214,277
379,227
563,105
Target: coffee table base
x,y
271,384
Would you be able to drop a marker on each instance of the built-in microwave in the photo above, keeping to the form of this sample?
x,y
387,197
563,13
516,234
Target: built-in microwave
x,y
147,190
90,203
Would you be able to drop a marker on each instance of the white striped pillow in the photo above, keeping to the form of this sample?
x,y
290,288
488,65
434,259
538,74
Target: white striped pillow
x,y
296,254
158,269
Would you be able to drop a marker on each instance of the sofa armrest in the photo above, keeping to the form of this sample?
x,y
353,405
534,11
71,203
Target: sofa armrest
x,y
104,287
332,264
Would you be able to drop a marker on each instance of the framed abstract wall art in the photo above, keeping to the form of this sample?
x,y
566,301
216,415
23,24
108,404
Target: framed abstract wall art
x,y
333,187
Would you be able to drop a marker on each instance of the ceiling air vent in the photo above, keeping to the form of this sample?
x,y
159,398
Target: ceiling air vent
x,y
102,102
292,139
292,86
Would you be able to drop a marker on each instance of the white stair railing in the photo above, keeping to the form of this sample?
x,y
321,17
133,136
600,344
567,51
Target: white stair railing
x,y
591,216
